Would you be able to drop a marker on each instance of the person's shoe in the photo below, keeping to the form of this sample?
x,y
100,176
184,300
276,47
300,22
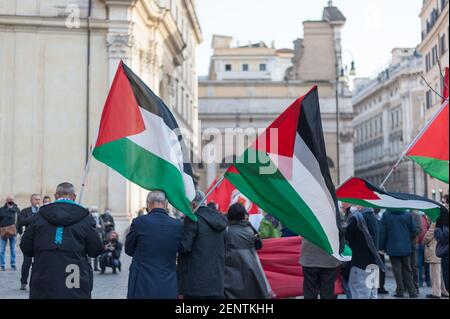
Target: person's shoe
x,y
23,286
444,296
13,268
382,291
398,295
96,269
413,295
433,297
102,272
114,271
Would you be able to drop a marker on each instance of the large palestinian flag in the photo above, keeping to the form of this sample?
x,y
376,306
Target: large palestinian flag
x,y
285,172
360,192
431,151
139,138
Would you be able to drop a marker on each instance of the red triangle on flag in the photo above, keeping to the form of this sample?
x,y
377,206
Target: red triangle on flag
x,y
121,116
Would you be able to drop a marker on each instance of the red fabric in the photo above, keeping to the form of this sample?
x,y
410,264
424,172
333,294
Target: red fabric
x,y
434,142
357,189
121,116
280,260
226,194
425,227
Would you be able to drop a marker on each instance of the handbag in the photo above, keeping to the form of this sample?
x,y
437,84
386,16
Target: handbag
x,y
8,231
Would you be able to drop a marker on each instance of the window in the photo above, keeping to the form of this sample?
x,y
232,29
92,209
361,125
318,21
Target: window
x,y
245,67
428,62
262,67
228,67
429,97
442,45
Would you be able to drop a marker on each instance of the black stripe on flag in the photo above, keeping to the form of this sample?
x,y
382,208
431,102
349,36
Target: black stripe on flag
x,y
310,130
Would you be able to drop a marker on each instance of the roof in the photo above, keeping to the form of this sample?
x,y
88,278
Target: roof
x,y
333,14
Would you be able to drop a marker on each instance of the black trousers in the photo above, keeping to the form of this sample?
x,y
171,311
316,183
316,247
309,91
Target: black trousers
x,y
401,267
382,273
319,281
26,265
414,269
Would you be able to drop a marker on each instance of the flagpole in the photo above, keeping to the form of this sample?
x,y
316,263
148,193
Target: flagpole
x,y
419,135
219,181
86,168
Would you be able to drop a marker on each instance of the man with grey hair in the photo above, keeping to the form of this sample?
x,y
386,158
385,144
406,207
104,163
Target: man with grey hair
x,y
201,262
60,240
153,241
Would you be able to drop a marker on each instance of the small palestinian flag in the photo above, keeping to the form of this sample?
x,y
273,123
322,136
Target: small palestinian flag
x,y
139,138
358,191
285,172
431,151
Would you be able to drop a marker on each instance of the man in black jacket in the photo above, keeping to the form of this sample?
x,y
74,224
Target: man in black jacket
x,y
26,217
201,262
8,219
60,240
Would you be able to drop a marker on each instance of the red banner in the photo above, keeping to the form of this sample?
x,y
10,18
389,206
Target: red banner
x,y
280,260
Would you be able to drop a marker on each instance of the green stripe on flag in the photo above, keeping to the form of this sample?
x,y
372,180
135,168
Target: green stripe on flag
x,y
435,167
146,170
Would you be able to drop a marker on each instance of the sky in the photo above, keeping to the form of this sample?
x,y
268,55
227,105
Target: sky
x,y
372,30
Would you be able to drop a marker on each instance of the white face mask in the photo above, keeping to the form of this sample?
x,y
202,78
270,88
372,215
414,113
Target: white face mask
x,y
353,209
95,214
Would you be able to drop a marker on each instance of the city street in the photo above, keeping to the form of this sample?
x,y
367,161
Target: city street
x,y
110,286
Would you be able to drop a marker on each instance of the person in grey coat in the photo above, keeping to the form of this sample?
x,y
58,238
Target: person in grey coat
x,y
244,276
397,230
201,258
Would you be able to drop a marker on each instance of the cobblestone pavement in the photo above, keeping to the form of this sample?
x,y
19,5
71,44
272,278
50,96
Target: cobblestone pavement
x,y
110,286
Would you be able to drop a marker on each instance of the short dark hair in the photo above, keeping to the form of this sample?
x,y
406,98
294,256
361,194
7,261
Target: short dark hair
x,y
212,205
236,212
46,197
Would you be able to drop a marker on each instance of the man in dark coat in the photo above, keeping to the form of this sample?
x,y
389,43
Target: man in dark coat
x,y
26,217
244,276
201,261
60,240
9,214
361,234
153,242
397,229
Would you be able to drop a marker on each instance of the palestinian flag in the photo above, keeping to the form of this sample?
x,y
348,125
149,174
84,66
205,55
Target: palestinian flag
x,y
360,192
285,172
431,150
139,138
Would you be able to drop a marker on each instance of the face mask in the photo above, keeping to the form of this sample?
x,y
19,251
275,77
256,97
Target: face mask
x,y
353,209
95,215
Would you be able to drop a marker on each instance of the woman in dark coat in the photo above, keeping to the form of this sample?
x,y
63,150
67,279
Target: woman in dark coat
x,y
244,276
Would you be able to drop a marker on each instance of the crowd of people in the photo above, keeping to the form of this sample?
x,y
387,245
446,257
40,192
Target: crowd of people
x,y
216,256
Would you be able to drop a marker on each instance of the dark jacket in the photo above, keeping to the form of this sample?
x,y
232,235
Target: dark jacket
x,y
396,232
153,242
108,222
441,236
60,238
361,254
244,276
201,261
26,217
9,215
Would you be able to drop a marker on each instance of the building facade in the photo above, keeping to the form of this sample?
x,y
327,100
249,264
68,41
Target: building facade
x,y
389,112
248,86
58,58
434,49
